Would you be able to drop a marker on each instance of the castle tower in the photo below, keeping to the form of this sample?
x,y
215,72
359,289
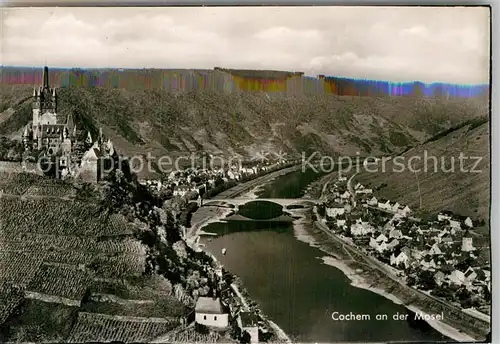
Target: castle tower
x,y
88,139
26,137
100,138
44,105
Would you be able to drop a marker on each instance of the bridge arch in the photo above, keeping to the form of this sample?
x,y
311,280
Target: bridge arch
x,y
284,202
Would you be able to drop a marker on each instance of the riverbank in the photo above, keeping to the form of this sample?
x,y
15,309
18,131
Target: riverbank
x,y
359,281
203,217
210,214
361,272
365,276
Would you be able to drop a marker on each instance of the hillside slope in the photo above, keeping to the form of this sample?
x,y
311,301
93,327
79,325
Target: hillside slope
x,y
85,273
465,191
161,122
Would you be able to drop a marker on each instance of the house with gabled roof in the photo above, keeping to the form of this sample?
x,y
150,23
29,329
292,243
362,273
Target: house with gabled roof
x,y
372,201
335,209
395,233
455,224
404,210
434,250
457,277
445,215
393,244
381,238
211,312
401,258
470,274
428,264
395,207
345,195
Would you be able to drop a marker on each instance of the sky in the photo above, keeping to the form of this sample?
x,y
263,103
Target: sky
x,y
429,44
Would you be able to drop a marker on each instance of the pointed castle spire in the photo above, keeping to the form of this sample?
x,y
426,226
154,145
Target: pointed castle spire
x,y
100,138
45,77
70,124
88,140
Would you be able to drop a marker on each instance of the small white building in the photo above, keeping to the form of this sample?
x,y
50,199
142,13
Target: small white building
x,y
457,277
401,258
444,217
382,247
364,191
335,210
428,265
345,195
210,312
470,274
381,238
372,201
384,205
341,222
467,244
248,322
455,224
404,211
233,175
361,228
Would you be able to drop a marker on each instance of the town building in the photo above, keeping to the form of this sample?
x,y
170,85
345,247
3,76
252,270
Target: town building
x,y
467,244
335,209
401,258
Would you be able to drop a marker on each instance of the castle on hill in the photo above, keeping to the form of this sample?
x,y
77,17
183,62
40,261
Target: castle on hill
x,y
55,138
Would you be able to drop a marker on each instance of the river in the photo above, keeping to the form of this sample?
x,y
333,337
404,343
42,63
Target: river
x,y
295,288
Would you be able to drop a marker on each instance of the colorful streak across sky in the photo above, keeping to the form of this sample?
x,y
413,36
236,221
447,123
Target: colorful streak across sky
x,y
230,80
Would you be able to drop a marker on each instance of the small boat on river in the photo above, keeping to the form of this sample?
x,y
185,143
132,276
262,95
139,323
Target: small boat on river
x,y
224,251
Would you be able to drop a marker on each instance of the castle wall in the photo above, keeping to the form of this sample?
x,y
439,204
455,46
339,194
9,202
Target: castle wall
x,y
47,118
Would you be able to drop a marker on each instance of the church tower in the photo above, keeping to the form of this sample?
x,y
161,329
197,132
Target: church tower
x,y
44,105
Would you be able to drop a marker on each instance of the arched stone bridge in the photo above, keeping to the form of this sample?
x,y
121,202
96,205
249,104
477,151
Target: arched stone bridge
x,y
284,202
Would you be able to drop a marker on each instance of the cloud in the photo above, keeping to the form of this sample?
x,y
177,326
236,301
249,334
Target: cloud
x,y
448,44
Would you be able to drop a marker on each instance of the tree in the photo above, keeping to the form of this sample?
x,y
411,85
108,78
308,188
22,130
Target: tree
x,y
426,280
219,181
